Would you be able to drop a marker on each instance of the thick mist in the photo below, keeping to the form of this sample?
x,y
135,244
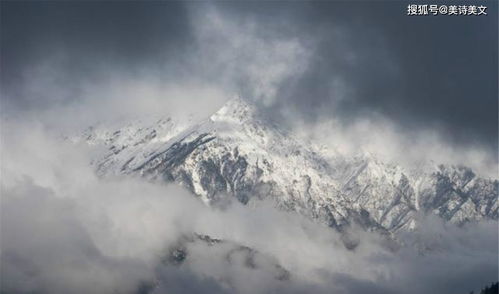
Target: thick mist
x,y
63,228
320,77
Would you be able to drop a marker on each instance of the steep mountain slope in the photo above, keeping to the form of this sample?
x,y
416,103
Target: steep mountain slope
x,y
238,153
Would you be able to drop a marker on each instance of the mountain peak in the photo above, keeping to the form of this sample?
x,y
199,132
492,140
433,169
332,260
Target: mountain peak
x,y
236,109
237,152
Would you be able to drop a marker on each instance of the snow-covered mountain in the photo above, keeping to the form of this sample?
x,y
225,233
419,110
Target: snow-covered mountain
x,y
237,152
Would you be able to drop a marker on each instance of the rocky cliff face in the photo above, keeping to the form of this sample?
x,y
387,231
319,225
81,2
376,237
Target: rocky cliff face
x,y
238,153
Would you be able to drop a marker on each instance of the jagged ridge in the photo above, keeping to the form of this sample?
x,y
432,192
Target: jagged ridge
x,y
237,152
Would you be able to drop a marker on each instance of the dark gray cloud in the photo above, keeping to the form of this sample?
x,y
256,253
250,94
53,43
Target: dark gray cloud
x,y
369,56
85,42
363,57
317,60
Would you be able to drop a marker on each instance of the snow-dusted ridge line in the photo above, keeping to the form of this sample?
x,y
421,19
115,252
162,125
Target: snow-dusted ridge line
x,y
237,152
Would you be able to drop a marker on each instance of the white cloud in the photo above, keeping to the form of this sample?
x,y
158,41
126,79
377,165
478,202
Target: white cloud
x,y
381,137
242,56
65,230
62,228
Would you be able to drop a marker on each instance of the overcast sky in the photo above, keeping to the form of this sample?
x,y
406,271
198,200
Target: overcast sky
x,y
410,87
351,59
